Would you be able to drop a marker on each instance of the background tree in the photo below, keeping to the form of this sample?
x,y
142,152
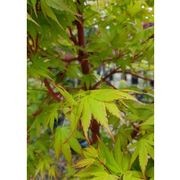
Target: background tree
x,y
75,50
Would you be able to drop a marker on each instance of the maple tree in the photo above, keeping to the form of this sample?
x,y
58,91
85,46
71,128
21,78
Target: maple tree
x,y
74,49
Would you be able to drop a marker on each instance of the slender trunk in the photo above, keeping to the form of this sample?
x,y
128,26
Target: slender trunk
x,y
81,42
85,66
95,131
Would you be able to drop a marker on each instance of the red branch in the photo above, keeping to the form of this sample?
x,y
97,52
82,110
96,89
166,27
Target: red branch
x,y
95,131
119,71
37,112
69,58
72,37
85,66
109,84
105,77
56,96
82,57
138,76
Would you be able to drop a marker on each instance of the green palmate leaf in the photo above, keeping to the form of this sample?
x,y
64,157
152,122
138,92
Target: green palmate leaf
x,y
58,141
86,116
135,8
149,121
124,134
51,119
43,165
52,172
112,108
103,156
88,80
92,105
117,151
55,63
104,175
143,149
51,113
150,172
75,115
86,172
148,125
95,172
125,162
139,112
143,157
107,157
74,120
49,12
150,138
151,151
133,175
61,5
85,162
108,95
122,159
70,171
38,69
99,113
89,108
90,152
66,151
73,71
67,96
63,143
47,117
75,145
134,156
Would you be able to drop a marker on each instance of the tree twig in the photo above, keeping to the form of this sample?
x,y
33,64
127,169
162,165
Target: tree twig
x,y
137,75
105,77
119,71
108,83
72,37
66,59
81,41
56,96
